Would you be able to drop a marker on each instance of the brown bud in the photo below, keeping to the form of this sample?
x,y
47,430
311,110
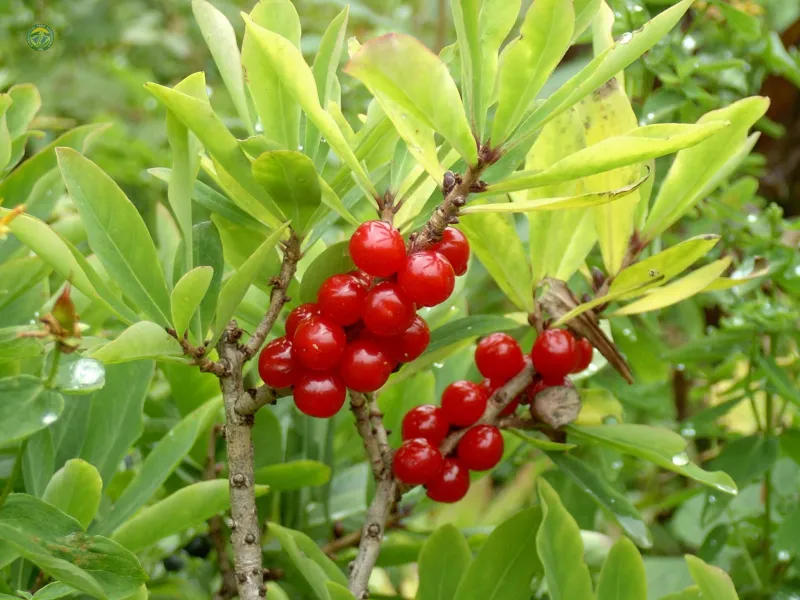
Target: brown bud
x,y
556,406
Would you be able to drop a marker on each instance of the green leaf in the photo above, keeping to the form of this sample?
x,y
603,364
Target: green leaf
x,y
338,592
52,249
334,259
506,563
185,165
236,287
398,69
528,61
585,10
145,339
787,538
207,252
605,495
697,171
690,593
116,416
293,475
221,41
612,152
187,295
560,548
326,62
278,111
444,558
541,443
600,70
507,262
623,576
5,137
679,290
298,79
75,489
38,460
27,407
200,118
779,379
159,464
714,583
240,243
57,544
16,188
482,27
587,200
188,507
467,328
291,179
117,234
27,103
654,444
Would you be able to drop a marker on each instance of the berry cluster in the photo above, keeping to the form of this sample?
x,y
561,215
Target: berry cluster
x,y
499,358
364,323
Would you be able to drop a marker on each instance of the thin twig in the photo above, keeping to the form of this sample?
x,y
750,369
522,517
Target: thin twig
x,y
370,545
354,537
359,404
215,526
278,297
252,400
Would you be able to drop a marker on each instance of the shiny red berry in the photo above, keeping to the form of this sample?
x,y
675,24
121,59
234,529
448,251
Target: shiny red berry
x,y
427,422
427,278
377,248
341,299
499,357
276,364
585,353
319,343
410,344
463,403
387,310
364,366
481,448
453,245
554,354
416,462
452,482
363,278
298,315
319,395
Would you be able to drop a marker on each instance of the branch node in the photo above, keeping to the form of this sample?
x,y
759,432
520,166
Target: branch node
x,y
238,480
241,577
250,539
374,530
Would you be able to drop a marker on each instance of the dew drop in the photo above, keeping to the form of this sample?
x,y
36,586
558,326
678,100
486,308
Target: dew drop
x,y
300,148
617,465
209,91
689,43
784,556
259,127
688,431
680,460
712,499
638,8
438,365
752,218
86,372
626,37
49,418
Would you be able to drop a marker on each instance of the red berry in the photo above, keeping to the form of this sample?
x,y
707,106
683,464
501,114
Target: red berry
x,y
585,353
463,403
427,422
554,354
452,482
276,364
481,448
363,278
489,387
377,248
453,245
387,310
427,278
499,357
319,395
364,366
298,315
511,408
416,462
341,299
410,344
319,343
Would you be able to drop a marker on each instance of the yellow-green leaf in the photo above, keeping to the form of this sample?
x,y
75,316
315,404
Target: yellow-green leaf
x,y
398,68
697,171
292,181
298,79
75,489
714,583
587,200
141,340
623,576
221,41
187,295
528,61
683,288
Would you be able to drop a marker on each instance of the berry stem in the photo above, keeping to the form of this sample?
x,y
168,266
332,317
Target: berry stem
x,y
291,255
